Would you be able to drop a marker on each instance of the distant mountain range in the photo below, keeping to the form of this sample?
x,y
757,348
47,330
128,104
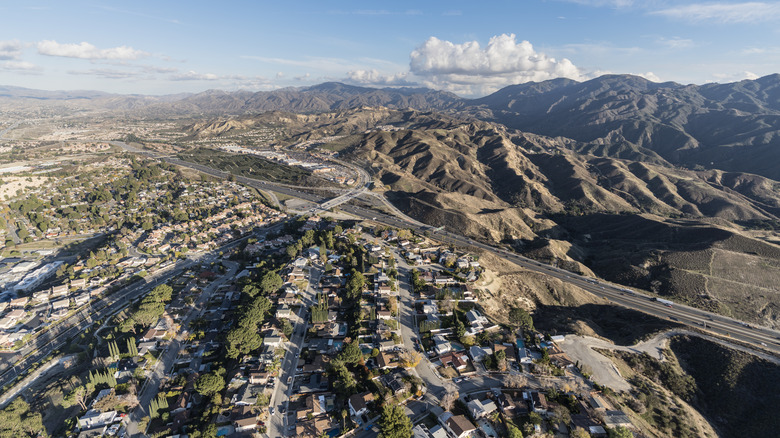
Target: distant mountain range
x,y
732,127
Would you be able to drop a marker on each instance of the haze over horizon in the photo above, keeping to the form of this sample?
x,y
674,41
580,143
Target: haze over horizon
x,y
468,49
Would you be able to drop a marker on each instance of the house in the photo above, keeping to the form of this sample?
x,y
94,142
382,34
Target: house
x,y
539,403
358,403
41,296
442,345
421,431
511,407
314,406
317,382
393,381
258,378
78,283
455,360
152,334
247,395
245,424
478,353
287,298
273,340
313,428
15,314
95,432
614,419
81,299
384,314
19,302
296,274
522,353
479,409
317,364
58,291
144,347
506,348
597,402
458,425
385,360
60,304
283,311
95,418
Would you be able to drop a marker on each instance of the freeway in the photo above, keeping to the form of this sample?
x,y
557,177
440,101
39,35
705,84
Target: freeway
x,y
761,338
58,335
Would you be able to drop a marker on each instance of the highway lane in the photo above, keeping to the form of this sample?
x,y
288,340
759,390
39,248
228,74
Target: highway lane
x,y
51,340
759,337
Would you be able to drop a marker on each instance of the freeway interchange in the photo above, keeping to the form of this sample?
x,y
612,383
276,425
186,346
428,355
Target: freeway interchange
x,y
760,338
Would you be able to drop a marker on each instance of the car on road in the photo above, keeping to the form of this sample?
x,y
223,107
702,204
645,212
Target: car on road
x,y
271,410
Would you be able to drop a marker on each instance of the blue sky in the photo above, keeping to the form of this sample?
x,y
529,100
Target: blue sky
x,y
470,48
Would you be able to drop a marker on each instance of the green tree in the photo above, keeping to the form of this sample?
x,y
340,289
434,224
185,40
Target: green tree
x,y
620,432
351,353
16,419
132,349
579,432
271,282
209,384
308,238
514,432
79,396
210,431
394,423
522,318
287,328
252,290
160,294
355,284
500,358
241,340
460,328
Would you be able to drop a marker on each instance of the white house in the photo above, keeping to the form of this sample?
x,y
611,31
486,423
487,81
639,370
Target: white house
x,y
480,409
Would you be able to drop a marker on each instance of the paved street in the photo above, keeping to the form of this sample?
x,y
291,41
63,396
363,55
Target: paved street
x,y
278,424
424,369
167,358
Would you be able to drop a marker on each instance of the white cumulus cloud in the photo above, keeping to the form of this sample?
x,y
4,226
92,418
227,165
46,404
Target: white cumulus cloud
x,y
468,66
85,50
